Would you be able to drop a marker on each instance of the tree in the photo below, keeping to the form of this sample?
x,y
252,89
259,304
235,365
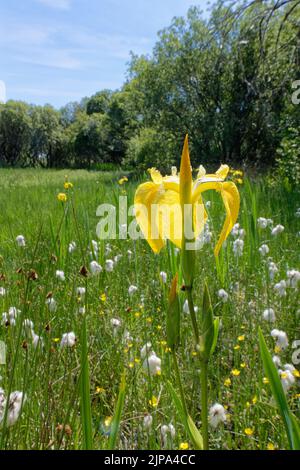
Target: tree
x,y
15,132
99,103
45,135
89,135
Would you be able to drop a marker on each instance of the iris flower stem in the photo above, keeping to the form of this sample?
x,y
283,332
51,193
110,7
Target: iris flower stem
x,y
179,383
204,407
203,373
193,315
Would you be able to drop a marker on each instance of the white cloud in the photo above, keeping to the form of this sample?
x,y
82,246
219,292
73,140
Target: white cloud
x,y
57,58
2,92
57,4
28,34
113,46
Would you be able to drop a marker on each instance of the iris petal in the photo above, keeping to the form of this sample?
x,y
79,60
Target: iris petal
x,y
169,217
231,199
146,195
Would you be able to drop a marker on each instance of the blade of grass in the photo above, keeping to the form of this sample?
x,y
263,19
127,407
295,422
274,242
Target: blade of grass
x,y
85,398
279,395
118,414
186,420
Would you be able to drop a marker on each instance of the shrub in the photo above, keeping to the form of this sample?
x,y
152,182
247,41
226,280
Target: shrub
x,y
151,148
288,158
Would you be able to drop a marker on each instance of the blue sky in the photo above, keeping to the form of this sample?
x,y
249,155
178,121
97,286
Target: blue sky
x,y
56,51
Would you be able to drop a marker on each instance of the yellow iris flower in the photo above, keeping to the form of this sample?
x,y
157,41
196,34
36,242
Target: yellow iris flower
x,y
169,195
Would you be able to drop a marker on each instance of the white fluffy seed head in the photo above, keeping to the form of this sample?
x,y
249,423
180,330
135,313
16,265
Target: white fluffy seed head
x,y
147,422
60,275
132,290
223,295
269,315
109,265
68,340
20,239
217,415
95,268
264,250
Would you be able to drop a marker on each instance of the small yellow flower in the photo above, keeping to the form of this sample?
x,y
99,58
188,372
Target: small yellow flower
x,y
243,365
149,320
62,197
241,338
137,314
283,375
137,360
194,353
254,400
103,297
183,446
270,446
56,340
249,431
107,421
235,372
297,395
167,350
131,365
277,349
159,327
237,173
248,404
100,390
123,180
236,347
153,402
239,180
227,382
296,373
265,380
68,185
163,342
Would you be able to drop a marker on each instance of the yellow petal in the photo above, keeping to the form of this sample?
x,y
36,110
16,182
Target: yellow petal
x,y
205,186
146,195
169,217
222,172
201,172
231,199
199,217
155,175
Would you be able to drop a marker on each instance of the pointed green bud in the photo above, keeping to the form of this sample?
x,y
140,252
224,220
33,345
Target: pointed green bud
x,y
185,189
207,327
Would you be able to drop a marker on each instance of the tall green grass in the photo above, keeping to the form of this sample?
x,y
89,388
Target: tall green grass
x,y
73,394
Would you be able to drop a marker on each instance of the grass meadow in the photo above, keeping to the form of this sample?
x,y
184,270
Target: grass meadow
x,y
111,323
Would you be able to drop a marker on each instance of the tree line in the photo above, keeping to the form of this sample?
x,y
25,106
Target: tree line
x,y
226,80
